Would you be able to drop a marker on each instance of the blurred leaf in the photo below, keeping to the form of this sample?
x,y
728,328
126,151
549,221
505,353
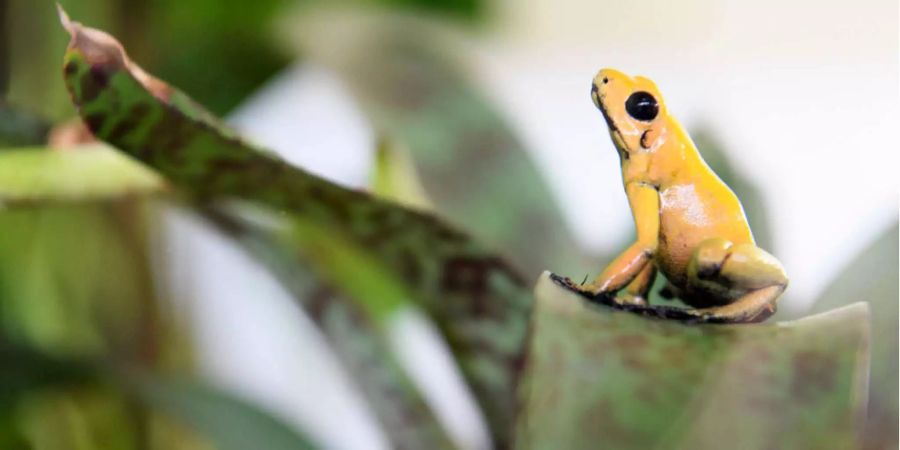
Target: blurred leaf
x,y
395,177
354,318
20,128
231,423
74,279
34,52
872,277
599,377
233,39
95,172
475,298
410,81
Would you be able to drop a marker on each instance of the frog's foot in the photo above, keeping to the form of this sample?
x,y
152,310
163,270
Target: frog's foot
x,y
635,292
746,279
588,290
755,306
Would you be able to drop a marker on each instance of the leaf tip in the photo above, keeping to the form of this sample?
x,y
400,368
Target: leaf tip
x,y
64,19
97,47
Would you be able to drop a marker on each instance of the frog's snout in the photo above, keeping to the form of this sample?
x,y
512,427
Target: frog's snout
x,y
595,91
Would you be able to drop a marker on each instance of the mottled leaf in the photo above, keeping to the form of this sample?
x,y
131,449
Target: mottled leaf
x,y
410,82
601,378
475,298
355,332
871,277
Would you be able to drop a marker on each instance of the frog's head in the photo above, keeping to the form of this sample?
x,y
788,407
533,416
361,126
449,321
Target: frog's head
x,y
633,109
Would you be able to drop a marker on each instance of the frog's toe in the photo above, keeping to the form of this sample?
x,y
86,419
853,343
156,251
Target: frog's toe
x,y
631,299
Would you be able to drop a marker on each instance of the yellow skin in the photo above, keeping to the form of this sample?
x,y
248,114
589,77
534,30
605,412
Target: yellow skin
x,y
689,224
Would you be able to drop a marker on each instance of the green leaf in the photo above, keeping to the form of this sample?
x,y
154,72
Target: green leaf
x,y
598,377
94,172
871,277
19,128
409,79
395,177
75,280
356,329
230,422
478,302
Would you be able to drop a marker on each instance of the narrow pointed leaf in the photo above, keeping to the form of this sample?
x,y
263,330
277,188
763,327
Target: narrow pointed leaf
x,y
476,299
395,177
602,378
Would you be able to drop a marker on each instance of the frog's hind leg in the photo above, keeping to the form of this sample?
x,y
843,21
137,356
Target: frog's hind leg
x,y
742,282
635,293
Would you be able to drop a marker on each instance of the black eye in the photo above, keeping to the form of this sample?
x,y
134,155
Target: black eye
x,y
642,106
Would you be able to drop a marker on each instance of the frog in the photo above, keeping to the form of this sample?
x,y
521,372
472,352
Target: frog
x,y
690,226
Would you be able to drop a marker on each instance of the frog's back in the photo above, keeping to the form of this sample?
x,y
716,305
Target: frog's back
x,y
694,207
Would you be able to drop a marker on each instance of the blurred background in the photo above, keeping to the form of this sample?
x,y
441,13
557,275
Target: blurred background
x,y
794,104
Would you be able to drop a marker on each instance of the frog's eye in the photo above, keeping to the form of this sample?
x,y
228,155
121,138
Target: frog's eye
x,y
642,106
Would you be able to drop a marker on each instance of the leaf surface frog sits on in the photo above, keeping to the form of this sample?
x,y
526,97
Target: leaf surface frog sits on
x,y
690,225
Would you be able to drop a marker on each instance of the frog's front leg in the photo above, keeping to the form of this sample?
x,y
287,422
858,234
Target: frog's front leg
x,y
635,293
644,201
745,277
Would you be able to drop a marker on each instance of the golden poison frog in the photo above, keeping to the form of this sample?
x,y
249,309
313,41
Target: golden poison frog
x,y
690,225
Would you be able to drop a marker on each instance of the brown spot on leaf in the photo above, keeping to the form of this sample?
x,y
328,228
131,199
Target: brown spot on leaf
x,y
630,342
814,372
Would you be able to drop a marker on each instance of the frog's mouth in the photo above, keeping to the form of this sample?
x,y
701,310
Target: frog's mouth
x,y
614,131
602,108
609,121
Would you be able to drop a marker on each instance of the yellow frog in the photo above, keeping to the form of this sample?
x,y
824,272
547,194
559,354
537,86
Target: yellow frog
x,y
689,224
